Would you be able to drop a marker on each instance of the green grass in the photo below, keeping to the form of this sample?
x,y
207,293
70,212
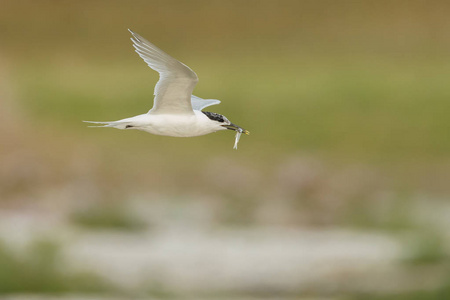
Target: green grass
x,y
39,270
108,217
427,247
373,110
438,294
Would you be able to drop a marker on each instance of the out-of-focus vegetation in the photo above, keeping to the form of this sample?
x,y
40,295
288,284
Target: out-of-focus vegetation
x,y
38,270
116,218
347,103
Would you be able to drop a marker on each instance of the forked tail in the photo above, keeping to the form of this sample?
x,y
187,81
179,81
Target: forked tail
x,y
115,124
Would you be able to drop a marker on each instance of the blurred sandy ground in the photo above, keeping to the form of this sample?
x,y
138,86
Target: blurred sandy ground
x,y
341,191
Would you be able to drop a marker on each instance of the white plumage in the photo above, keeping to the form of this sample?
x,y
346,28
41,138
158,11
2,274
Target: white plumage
x,y
175,112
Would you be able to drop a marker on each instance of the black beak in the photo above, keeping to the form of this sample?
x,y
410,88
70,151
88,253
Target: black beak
x,y
234,127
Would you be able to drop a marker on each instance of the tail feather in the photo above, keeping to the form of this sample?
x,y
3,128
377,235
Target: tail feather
x,y
115,124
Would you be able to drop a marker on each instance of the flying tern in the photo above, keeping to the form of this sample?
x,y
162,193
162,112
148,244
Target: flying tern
x,y
175,112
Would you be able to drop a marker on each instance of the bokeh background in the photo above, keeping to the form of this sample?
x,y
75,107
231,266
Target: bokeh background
x,y
340,192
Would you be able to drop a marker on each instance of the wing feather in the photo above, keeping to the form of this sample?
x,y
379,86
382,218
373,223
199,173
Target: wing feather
x,y
176,80
199,103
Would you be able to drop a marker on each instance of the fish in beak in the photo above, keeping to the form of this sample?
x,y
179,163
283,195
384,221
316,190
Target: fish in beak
x,y
239,130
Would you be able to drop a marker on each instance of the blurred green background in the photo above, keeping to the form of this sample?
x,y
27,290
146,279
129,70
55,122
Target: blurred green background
x,y
347,103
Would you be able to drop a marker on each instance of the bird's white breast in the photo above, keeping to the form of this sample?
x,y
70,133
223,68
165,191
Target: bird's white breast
x,y
179,125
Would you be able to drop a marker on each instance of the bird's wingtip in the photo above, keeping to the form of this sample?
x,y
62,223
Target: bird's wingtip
x,y
136,37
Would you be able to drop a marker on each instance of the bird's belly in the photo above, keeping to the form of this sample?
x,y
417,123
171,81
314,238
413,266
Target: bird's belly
x,y
179,127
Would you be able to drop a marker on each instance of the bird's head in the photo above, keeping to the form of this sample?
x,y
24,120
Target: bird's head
x,y
225,122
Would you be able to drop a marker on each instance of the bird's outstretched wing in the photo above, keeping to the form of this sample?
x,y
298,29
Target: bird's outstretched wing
x,y
176,80
199,103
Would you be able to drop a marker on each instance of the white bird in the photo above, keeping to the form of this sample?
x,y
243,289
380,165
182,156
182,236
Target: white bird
x,y
175,112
